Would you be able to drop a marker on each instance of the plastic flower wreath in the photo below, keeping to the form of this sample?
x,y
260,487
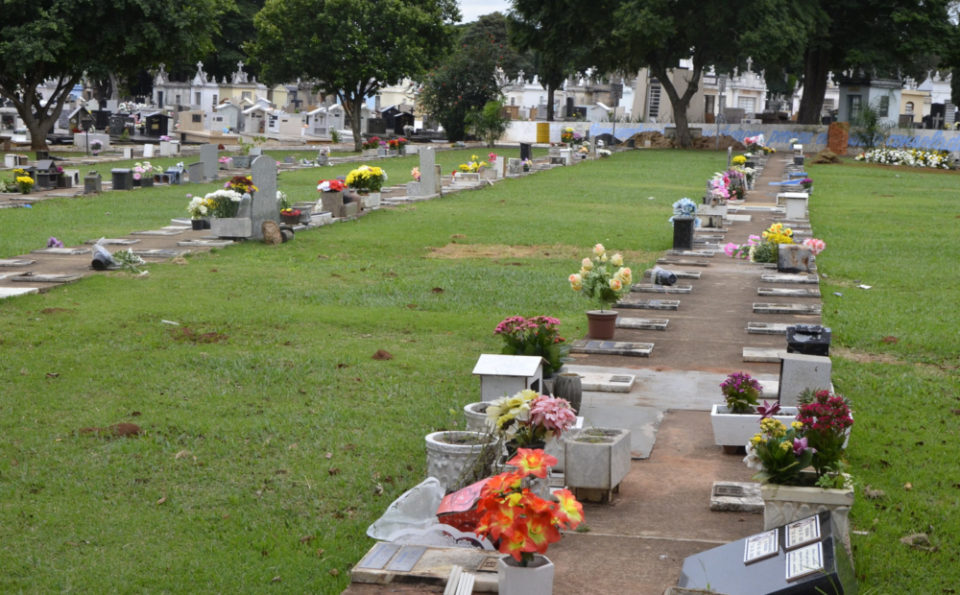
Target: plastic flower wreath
x,y
597,279
517,520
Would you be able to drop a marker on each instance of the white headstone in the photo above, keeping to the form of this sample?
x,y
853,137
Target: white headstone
x,y
208,157
264,175
128,152
147,150
796,207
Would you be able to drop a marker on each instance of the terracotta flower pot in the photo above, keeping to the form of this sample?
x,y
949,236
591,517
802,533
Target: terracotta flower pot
x,y
601,324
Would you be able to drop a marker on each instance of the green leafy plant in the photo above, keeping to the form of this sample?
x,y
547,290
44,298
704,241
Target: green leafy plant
x,y
537,335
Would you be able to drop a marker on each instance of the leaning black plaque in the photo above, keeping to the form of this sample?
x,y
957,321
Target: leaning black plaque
x,y
819,566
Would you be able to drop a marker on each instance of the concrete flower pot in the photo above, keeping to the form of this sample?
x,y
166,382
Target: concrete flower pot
x,y
784,504
595,461
458,458
734,430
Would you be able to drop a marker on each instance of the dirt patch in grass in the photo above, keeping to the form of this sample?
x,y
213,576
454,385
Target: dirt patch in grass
x,y
458,251
863,357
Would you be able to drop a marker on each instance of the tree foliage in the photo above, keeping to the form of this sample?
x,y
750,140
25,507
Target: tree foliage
x,y
351,47
60,40
462,84
493,28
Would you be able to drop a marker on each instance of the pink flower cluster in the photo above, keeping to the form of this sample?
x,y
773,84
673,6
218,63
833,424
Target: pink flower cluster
x,y
741,250
517,326
552,413
826,413
816,246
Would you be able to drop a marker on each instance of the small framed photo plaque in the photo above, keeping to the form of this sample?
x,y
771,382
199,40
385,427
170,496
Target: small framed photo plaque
x,y
804,561
802,532
761,546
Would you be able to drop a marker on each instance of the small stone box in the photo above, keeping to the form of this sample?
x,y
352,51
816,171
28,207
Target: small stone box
x,y
595,462
122,179
92,183
799,372
505,375
794,258
808,339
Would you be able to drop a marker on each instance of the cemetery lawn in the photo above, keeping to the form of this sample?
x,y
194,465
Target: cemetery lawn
x,y
272,437
896,354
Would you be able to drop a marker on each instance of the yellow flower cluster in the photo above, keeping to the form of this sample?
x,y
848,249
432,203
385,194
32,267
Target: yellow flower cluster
x,y
778,234
24,180
738,160
504,410
773,427
366,177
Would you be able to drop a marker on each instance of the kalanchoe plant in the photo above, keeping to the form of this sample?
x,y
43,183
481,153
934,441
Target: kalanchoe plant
x,y
515,518
779,453
741,391
806,182
538,335
826,420
598,280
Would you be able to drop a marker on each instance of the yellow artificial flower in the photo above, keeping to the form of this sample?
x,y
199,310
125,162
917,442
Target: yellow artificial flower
x,y
576,282
599,250
586,264
617,260
616,284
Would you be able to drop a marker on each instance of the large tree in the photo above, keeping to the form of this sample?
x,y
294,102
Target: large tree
x,y
658,34
889,38
351,47
558,35
60,40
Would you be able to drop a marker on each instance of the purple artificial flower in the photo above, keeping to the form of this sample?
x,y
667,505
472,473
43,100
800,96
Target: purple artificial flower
x,y
768,410
53,242
800,446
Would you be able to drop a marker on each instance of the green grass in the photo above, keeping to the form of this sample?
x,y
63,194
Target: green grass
x,y
268,426
896,355
263,448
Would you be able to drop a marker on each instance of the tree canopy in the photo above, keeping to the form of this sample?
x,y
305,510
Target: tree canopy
x,y
351,47
60,40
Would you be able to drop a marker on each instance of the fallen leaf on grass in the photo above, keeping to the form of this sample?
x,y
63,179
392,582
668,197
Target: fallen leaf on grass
x,y
328,455
333,471
162,500
889,339
908,486
53,374
181,454
334,572
382,354
919,541
437,290
307,539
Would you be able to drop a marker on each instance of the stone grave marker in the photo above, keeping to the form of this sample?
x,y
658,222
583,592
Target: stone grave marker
x,y
647,324
768,308
799,372
128,152
612,348
208,157
526,151
788,292
92,183
147,150
195,173
514,166
122,178
654,288
6,292
649,304
264,207
789,278
794,258
16,262
428,172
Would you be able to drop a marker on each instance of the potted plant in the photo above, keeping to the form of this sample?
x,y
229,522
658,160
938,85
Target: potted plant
x,y
367,180
398,144
801,466
528,419
597,280
735,421
523,524
23,181
290,216
143,173
807,184
527,164
537,335
458,458
476,416
200,208
470,171
331,196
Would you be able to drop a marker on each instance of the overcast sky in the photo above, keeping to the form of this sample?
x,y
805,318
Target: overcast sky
x,y
471,9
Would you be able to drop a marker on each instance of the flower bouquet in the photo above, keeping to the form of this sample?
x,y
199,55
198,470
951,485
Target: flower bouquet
x,y
366,178
372,143
144,171
96,146
200,207
224,203
528,419
241,185
290,215
397,144
23,181
685,208
330,186
473,166
517,520
597,279
527,164
807,183
415,174
538,335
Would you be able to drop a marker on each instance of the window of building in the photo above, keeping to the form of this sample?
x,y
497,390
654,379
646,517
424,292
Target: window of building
x,y
653,99
709,104
197,117
909,107
196,98
853,107
748,105
883,110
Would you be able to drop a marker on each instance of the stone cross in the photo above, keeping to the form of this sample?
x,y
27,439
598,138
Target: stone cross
x,y
264,175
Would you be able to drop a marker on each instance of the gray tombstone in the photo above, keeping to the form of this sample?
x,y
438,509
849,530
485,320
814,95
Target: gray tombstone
x,y
208,157
128,152
799,372
256,152
323,156
428,176
195,173
514,166
264,174
122,178
437,182
92,183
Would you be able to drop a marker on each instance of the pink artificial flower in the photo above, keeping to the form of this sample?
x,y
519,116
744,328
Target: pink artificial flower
x,y
816,246
553,413
491,157
730,249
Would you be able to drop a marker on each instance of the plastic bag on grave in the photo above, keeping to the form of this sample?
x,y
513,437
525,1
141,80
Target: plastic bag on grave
x,y
414,509
102,259
661,276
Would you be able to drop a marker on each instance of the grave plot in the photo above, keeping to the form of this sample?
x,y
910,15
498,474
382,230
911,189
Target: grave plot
x,y
649,304
768,328
6,292
16,262
45,278
612,348
763,354
652,288
645,324
768,308
788,292
788,278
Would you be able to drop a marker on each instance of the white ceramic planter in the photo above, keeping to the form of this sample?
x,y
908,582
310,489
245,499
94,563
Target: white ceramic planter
x,y
535,579
736,429
371,200
476,414
451,454
784,504
595,461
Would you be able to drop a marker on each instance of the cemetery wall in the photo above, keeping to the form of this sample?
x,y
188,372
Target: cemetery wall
x,y
813,138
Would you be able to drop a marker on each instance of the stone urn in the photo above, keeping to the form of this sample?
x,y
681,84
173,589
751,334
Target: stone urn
x,y
459,458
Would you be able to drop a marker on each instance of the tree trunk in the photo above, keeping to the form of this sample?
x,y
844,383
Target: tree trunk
x,y
353,104
678,102
32,111
815,73
550,90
